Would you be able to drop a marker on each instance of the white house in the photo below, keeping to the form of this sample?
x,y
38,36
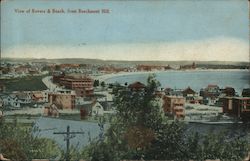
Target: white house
x,y
24,97
97,109
10,100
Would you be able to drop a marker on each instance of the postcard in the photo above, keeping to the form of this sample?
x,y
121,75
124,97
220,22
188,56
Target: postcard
x,y
116,80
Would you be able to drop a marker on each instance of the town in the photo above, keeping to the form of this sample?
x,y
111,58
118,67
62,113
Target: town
x,y
79,92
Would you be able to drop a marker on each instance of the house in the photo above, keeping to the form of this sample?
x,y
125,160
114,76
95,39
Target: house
x,y
51,110
11,100
227,103
238,107
93,108
188,92
97,109
174,106
21,70
211,88
85,109
167,91
173,92
63,99
191,96
210,94
38,96
241,107
137,86
228,91
23,97
34,71
246,92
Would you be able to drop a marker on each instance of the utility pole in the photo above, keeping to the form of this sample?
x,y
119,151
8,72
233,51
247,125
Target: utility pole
x,y
67,139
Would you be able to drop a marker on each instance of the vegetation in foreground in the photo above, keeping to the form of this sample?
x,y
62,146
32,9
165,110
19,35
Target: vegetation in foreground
x,y
138,131
141,131
18,143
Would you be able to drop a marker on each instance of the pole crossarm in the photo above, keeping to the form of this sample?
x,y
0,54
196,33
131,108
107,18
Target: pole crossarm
x,y
67,139
68,133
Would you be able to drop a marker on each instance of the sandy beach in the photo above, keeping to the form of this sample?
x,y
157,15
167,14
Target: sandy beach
x,y
109,76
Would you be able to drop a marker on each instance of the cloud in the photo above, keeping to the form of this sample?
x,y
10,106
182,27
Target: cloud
x,y
220,49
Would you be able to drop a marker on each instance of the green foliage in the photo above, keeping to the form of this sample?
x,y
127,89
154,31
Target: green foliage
x,y
96,83
103,84
169,143
101,152
32,83
218,146
141,131
116,88
74,154
17,143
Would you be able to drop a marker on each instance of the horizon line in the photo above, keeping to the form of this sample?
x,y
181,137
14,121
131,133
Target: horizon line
x,y
126,60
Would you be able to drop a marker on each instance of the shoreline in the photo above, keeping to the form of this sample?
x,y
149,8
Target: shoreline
x,y
105,77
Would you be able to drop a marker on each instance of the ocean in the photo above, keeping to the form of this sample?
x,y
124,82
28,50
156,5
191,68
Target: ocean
x,y
238,79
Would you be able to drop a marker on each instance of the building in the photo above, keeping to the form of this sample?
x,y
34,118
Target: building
x,y
136,86
63,99
23,97
227,103
228,91
188,92
38,96
173,92
97,109
152,67
188,67
246,92
191,96
82,85
174,105
51,110
210,94
238,107
57,76
10,100
241,107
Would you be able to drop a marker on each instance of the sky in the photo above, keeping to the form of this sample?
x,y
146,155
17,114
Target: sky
x,y
169,30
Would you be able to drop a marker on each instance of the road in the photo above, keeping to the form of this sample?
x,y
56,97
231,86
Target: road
x,y
50,85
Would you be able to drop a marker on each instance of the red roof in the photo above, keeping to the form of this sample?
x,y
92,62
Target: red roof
x,y
137,85
188,91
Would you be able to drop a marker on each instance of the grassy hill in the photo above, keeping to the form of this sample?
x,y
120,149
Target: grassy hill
x,y
29,83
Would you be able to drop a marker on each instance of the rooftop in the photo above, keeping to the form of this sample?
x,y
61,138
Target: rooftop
x,y
137,85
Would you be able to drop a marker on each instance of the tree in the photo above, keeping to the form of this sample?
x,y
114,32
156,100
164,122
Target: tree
x,y
138,116
17,142
141,131
103,84
96,83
